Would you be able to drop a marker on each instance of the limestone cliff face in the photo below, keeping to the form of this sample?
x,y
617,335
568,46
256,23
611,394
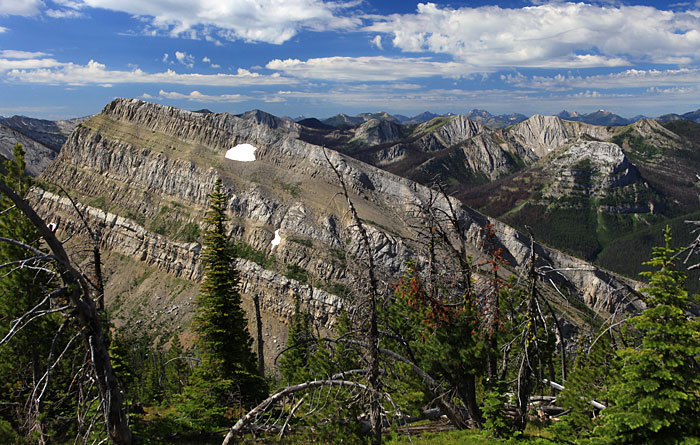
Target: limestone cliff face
x,y
151,167
455,131
598,170
378,131
543,134
484,155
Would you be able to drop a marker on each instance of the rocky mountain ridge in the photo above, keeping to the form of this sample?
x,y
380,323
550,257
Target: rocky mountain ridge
x,y
143,171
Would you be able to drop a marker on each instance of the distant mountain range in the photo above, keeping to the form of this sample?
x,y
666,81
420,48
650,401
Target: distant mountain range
x,y
601,117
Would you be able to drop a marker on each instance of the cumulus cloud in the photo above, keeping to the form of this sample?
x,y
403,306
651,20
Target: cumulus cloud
x,y
49,71
553,34
196,96
377,41
184,58
271,21
20,7
382,68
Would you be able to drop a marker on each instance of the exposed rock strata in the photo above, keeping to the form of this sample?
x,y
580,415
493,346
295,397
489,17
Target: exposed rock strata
x,y
143,156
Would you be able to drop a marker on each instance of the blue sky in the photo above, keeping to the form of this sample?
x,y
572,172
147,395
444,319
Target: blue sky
x,y
68,58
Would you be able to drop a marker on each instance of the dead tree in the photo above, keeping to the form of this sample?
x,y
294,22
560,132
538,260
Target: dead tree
x,y
78,293
373,335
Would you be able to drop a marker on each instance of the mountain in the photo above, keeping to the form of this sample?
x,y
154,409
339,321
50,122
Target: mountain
x,y
312,122
51,134
142,173
692,116
382,115
343,121
600,117
669,117
640,177
40,139
268,120
422,117
491,121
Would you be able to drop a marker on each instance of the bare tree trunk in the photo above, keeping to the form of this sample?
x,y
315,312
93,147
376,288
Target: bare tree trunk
x,y
530,343
258,321
373,336
97,258
92,331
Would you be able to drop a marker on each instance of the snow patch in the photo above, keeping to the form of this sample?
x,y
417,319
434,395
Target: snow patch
x,y
277,240
241,152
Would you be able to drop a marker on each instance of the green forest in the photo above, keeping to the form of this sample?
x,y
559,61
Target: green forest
x,y
433,358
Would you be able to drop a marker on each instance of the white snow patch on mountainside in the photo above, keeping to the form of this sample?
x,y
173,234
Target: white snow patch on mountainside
x,y
277,240
241,152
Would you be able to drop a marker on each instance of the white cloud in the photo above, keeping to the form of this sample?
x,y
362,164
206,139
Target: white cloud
x,y
206,59
3,29
49,71
554,34
366,68
196,96
271,21
674,90
64,14
632,78
215,65
20,7
377,41
69,4
14,54
184,58
27,64
165,57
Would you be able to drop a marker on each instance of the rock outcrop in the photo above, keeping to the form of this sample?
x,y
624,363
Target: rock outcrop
x,y
377,131
595,168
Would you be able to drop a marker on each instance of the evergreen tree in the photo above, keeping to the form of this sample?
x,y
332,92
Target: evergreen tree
x,y
227,377
293,364
594,371
177,370
657,399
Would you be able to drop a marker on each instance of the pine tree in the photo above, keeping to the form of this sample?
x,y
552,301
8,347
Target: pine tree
x,y
227,377
657,399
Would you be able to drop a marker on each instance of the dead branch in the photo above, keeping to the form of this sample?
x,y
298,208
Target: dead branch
x,y
288,391
91,326
559,387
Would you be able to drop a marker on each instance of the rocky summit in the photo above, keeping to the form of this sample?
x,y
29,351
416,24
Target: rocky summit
x,y
141,174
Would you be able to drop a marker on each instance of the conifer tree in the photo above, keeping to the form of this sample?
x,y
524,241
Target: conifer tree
x,y
227,376
177,370
657,399
294,362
